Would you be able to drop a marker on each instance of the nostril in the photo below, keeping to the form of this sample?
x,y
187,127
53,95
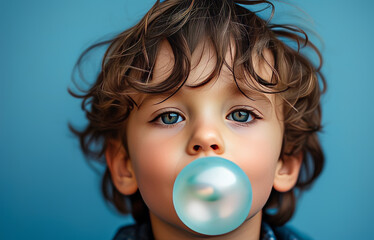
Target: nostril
x,y
214,146
196,147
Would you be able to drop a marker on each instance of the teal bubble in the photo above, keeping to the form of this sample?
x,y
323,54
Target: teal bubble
x,y
212,196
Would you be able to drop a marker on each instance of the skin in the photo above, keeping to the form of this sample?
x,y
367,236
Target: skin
x,y
196,122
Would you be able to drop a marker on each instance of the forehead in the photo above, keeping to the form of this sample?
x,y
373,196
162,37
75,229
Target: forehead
x,y
203,60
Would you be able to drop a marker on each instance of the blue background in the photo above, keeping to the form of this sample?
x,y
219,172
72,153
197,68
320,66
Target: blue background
x,y
49,192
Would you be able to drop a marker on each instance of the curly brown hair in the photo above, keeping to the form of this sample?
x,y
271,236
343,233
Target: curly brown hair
x,y
127,69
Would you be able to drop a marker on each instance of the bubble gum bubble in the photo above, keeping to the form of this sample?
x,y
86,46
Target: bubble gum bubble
x,y
212,196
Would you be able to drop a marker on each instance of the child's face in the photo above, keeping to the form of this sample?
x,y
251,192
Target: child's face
x,y
212,120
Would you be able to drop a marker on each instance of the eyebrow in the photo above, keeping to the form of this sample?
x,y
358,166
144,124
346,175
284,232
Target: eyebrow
x,y
251,94
240,89
161,96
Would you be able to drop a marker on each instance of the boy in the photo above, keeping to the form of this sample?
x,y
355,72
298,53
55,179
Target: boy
x,y
202,78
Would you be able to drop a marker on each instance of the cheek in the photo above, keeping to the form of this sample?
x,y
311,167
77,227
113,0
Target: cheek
x,y
155,157
261,175
258,157
155,154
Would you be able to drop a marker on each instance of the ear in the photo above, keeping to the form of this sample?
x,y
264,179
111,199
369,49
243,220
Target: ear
x,y
287,172
120,168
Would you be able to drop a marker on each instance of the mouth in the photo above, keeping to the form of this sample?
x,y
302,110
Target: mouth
x,y
212,196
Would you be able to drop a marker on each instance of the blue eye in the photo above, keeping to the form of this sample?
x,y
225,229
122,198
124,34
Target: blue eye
x,y
242,116
170,118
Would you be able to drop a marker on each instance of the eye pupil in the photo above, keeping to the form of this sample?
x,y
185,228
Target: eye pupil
x,y
169,118
241,116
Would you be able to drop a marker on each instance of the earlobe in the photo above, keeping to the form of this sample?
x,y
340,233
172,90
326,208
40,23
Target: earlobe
x,y
120,167
287,172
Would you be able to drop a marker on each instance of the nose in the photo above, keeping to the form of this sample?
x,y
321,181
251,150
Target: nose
x,y
205,140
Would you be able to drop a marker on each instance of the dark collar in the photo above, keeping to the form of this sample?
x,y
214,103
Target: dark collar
x,y
278,233
144,232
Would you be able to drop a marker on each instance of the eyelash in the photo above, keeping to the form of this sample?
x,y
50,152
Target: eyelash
x,y
158,119
250,112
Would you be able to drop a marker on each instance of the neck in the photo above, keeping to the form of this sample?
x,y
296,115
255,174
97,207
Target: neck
x,y
249,230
